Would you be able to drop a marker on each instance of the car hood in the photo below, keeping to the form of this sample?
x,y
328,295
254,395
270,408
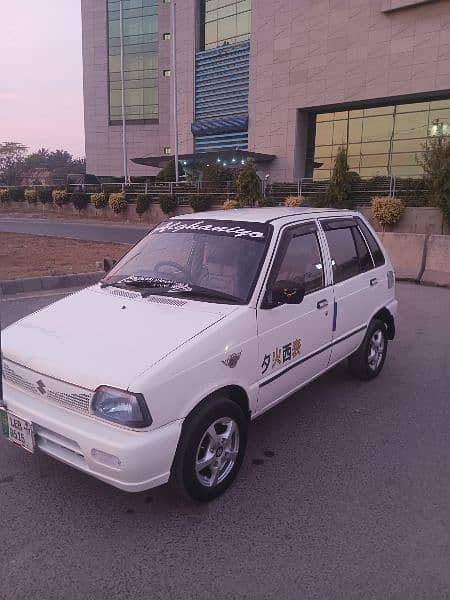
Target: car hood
x,y
106,336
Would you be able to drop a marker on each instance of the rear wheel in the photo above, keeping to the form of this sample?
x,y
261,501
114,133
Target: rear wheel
x,y
211,449
367,362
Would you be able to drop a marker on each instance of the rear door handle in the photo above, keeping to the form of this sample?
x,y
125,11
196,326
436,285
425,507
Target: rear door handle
x,y
322,304
374,281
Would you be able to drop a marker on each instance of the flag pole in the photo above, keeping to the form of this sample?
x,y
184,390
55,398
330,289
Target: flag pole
x,y
122,79
175,87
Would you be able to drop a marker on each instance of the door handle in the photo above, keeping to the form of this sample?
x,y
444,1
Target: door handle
x,y
374,281
322,304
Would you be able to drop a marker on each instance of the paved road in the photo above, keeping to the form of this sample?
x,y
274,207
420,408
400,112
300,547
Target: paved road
x,y
123,233
354,504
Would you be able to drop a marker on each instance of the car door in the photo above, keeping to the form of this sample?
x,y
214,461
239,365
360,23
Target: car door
x,y
294,339
354,284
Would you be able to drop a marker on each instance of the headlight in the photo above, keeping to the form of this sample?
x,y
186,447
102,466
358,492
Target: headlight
x,y
121,407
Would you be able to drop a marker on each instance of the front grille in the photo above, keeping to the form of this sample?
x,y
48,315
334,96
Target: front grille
x,y
47,388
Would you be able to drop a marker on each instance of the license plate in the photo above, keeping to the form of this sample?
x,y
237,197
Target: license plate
x,y
17,430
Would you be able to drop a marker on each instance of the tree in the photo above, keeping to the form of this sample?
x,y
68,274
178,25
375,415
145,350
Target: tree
x,y
168,172
435,161
339,188
248,185
12,162
59,163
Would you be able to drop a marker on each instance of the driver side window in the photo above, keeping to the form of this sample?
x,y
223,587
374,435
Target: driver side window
x,y
301,261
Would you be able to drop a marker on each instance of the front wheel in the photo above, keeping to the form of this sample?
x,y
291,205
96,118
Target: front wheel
x,y
211,449
367,362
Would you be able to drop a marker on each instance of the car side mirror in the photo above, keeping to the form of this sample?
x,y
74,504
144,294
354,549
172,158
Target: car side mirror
x,y
284,292
108,264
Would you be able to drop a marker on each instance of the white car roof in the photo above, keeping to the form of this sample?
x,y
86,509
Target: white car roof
x,y
279,214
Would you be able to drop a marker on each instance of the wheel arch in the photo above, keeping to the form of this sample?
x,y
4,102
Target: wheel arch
x,y
234,392
386,316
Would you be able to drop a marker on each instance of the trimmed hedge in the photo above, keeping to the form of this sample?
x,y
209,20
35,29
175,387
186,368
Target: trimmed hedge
x,y
199,203
30,196
387,211
60,197
118,203
143,202
99,200
294,201
168,204
44,195
230,204
80,200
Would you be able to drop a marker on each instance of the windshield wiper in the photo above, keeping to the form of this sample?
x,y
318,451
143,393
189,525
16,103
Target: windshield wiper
x,y
140,282
201,292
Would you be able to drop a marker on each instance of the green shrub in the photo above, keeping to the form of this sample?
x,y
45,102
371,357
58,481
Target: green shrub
x,y
248,185
230,204
80,200
387,211
4,195
339,188
30,196
435,161
44,195
266,202
143,202
118,203
16,193
199,203
60,197
294,201
168,204
99,200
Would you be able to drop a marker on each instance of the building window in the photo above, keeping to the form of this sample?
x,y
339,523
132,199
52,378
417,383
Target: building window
x,y
166,36
167,150
140,28
167,73
381,141
224,22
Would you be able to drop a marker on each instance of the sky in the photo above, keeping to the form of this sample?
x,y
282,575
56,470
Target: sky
x,y
41,74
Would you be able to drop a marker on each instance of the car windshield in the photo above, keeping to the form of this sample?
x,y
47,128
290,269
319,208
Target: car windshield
x,y
210,260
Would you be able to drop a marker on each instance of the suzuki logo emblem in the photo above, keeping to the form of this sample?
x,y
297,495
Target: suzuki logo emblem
x,y
41,386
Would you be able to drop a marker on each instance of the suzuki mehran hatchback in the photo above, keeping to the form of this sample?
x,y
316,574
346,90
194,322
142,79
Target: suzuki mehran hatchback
x,y
212,319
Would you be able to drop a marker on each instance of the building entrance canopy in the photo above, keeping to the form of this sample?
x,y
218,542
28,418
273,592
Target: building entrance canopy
x,y
225,158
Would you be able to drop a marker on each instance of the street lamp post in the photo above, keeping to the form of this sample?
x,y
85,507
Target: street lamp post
x,y
122,79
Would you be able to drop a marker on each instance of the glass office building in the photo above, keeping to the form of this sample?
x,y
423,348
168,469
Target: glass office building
x,y
224,22
140,29
386,140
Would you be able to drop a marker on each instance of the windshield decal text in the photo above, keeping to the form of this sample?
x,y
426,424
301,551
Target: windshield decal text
x,y
236,231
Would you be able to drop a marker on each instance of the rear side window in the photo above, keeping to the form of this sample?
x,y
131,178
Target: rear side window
x,y
344,256
377,254
301,261
365,260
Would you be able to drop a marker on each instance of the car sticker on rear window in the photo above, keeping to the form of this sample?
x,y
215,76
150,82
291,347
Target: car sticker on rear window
x,y
233,229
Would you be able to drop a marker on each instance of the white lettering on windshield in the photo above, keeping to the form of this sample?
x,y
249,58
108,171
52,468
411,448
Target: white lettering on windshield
x,y
237,232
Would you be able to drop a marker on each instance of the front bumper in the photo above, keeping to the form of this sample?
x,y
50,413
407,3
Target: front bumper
x,y
145,456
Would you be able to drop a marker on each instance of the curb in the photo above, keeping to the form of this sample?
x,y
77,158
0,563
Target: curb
x,y
49,282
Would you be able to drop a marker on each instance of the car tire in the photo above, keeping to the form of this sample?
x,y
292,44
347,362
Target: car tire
x,y
211,449
367,362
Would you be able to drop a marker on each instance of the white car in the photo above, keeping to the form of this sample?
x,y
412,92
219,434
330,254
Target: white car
x,y
155,373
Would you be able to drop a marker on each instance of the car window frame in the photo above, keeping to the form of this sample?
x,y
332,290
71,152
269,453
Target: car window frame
x,y
359,220
334,223
280,252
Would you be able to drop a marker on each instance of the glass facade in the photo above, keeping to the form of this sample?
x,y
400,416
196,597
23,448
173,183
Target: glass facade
x,y
380,141
224,22
140,30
